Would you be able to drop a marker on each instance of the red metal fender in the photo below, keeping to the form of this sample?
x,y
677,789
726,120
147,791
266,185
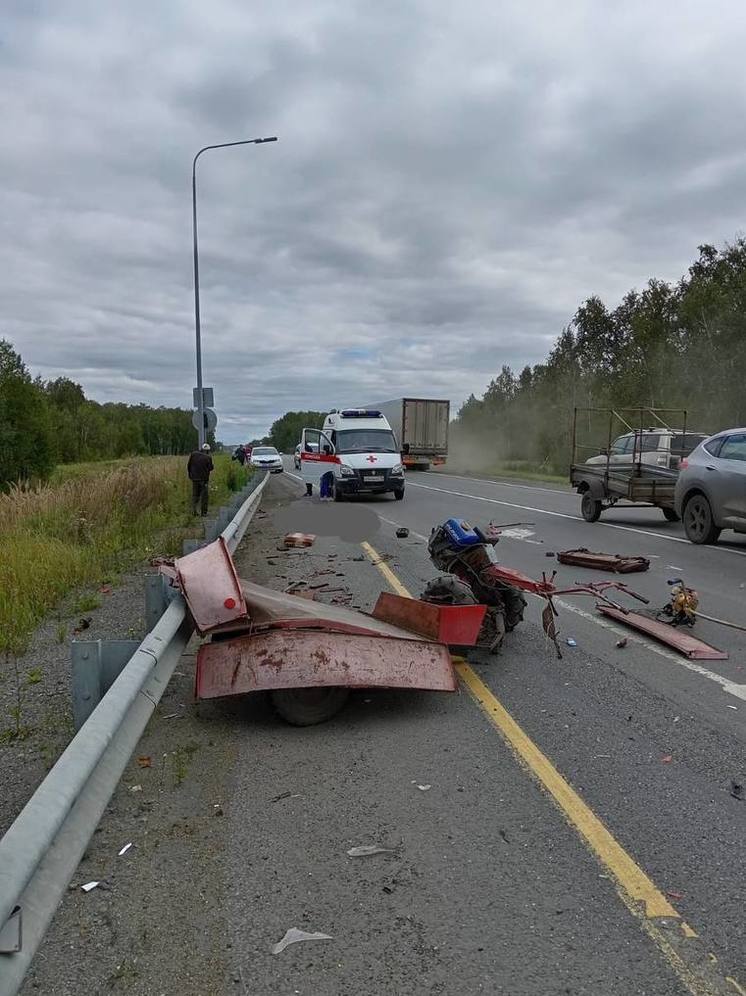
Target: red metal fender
x,y
297,658
455,625
685,643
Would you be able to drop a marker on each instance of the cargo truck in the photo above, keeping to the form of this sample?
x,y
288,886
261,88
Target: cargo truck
x,y
421,428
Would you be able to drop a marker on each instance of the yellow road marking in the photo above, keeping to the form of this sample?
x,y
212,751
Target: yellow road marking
x,y
384,568
638,892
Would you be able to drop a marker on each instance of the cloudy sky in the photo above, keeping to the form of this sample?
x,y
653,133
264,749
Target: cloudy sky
x,y
451,180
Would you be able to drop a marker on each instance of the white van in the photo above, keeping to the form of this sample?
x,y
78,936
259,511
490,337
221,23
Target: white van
x,y
359,447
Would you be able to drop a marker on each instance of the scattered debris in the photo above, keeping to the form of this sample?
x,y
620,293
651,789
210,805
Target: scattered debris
x,y
358,559
687,645
424,788
298,539
144,761
676,719
293,936
622,643
618,564
549,553
681,610
89,886
124,850
83,624
136,788
667,758
571,642
285,795
504,836
402,532
737,791
675,895
217,809
734,708
105,589
174,715
365,850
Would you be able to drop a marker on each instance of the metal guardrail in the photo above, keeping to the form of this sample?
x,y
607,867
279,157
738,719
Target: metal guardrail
x,y
43,847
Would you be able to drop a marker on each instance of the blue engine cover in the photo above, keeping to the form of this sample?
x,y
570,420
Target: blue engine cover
x,y
460,533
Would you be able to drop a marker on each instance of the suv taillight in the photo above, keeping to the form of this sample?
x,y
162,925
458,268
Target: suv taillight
x,y
683,463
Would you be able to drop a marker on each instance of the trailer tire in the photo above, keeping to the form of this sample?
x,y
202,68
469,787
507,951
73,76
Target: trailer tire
x,y
308,706
669,514
590,507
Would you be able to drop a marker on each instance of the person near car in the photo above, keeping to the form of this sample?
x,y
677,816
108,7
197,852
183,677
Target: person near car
x,y
326,486
199,468
240,454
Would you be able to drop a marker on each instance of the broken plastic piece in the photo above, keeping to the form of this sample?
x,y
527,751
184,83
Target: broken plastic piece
x,y
570,642
367,849
124,850
294,935
424,788
622,643
89,886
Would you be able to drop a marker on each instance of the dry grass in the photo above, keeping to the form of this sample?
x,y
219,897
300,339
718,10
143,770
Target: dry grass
x,y
57,537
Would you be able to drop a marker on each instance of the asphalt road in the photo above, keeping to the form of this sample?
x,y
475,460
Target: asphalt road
x,y
556,827
651,742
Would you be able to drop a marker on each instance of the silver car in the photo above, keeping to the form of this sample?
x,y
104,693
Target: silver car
x,y
711,490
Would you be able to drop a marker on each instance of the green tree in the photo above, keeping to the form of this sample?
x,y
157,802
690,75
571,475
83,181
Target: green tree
x,y
286,431
25,430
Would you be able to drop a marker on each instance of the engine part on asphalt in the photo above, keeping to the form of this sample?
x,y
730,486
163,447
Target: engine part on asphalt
x,y
402,532
618,564
681,610
685,643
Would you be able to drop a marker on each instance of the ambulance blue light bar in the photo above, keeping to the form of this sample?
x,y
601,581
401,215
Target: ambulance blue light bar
x,y
359,413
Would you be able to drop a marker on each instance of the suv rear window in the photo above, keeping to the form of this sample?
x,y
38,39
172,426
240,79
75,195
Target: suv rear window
x,y
650,443
734,447
683,444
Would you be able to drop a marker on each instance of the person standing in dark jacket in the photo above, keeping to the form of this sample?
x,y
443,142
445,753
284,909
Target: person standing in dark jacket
x,y
199,468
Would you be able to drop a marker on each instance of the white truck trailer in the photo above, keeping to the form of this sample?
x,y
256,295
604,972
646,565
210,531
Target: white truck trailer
x,y
421,428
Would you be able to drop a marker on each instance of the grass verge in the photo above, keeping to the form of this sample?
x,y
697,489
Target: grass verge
x,y
90,523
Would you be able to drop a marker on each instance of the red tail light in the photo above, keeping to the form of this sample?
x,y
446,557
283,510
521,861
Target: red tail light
x,y
683,463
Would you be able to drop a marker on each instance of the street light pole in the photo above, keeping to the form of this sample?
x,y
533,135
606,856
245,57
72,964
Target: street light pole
x,y
197,325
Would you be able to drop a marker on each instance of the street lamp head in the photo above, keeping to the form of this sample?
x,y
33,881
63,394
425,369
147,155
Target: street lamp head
x,y
261,141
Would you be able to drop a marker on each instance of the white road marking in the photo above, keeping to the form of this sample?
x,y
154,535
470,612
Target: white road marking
x,y
504,484
575,518
739,691
520,534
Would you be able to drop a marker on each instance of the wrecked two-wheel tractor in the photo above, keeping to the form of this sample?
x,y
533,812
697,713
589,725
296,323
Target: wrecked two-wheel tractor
x,y
309,655
505,606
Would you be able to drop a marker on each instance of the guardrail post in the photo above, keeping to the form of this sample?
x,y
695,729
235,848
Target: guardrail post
x,y
95,667
158,595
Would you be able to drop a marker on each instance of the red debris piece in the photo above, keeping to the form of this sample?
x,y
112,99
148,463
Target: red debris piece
x,y
675,895
582,557
298,539
667,758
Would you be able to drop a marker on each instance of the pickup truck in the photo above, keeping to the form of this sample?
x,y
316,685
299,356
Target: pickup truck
x,y
639,467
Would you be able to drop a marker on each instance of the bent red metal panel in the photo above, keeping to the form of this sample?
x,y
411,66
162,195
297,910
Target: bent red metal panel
x,y
291,658
210,585
685,643
456,625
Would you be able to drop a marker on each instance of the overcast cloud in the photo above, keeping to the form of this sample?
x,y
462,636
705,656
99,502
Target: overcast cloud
x,y
451,181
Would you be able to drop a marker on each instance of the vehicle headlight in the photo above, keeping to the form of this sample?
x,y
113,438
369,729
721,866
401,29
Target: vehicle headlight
x,y
346,471
397,470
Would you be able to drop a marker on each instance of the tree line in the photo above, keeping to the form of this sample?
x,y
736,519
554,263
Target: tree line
x,y
285,432
669,345
44,423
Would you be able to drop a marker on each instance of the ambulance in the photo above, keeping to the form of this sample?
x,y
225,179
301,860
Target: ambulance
x,y
360,449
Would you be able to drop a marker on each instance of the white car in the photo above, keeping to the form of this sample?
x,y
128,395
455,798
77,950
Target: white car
x,y
266,458
655,447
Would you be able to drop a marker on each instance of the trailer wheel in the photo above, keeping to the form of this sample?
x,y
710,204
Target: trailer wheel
x,y
308,706
669,514
590,507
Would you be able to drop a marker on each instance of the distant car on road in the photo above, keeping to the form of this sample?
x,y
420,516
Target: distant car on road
x,y
655,447
312,448
710,493
266,458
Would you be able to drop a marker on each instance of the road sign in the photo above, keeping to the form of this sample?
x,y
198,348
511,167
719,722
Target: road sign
x,y
211,420
208,397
